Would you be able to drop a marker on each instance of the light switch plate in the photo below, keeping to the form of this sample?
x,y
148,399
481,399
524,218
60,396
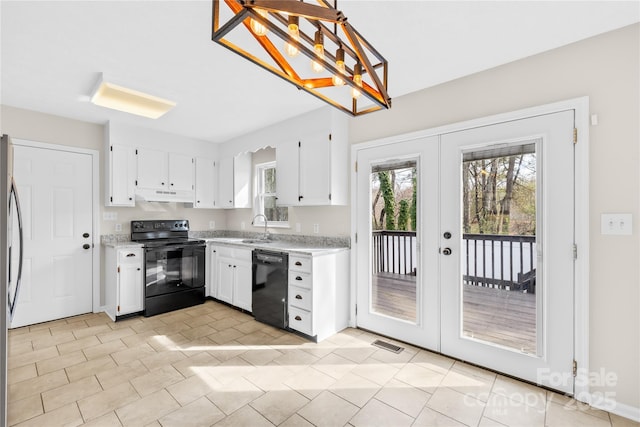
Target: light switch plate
x,y
616,224
110,216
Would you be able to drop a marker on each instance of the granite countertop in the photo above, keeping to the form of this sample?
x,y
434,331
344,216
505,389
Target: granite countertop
x,y
304,245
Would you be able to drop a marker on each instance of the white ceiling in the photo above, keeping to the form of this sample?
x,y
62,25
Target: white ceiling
x,y
53,52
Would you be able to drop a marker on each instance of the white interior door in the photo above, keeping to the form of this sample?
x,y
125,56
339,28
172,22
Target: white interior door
x,y
507,290
397,288
56,198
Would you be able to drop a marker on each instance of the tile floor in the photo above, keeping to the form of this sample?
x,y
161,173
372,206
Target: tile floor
x,y
212,365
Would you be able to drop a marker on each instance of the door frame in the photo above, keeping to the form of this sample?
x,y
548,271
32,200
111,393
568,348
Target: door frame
x,y
581,215
95,207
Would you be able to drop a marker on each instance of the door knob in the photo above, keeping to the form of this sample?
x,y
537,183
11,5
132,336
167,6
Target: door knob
x,y
85,235
86,246
446,251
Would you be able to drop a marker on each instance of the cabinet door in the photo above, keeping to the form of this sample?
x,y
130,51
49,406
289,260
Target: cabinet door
x,y
152,169
225,279
212,272
130,285
180,172
242,189
122,176
225,182
206,183
287,161
242,288
315,169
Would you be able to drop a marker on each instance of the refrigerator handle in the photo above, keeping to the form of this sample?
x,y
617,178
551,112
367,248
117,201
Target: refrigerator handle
x,y
14,193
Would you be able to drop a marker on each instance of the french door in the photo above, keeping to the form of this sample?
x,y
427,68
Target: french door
x,y
494,237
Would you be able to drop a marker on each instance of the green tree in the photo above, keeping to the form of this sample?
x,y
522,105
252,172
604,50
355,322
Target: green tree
x,y
403,215
386,187
414,201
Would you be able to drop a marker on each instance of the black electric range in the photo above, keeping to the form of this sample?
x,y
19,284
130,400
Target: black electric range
x,y
174,265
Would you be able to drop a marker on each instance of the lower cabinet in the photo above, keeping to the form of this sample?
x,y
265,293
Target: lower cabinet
x,y
124,291
318,294
233,276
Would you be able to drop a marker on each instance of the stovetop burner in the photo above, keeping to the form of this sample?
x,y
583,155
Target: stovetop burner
x,y
158,233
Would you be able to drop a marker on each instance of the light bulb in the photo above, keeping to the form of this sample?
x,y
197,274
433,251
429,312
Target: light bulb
x,y
318,48
336,79
257,27
294,33
357,79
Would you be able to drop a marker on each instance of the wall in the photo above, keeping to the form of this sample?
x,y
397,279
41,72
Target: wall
x,y
605,68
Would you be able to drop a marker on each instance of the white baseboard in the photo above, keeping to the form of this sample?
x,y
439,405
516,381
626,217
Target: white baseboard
x,y
626,411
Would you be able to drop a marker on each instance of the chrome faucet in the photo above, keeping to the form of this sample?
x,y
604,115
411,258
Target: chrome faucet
x,y
253,221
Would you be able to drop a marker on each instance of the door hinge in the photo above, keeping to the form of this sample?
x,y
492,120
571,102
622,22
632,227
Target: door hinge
x,y
329,137
118,309
136,182
136,152
299,144
111,198
575,368
575,251
356,309
118,269
111,148
356,237
329,196
356,166
575,135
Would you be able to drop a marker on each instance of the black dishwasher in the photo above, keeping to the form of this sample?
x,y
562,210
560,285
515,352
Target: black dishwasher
x,y
270,287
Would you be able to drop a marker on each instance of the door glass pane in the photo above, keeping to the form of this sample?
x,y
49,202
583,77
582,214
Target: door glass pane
x,y
393,223
498,256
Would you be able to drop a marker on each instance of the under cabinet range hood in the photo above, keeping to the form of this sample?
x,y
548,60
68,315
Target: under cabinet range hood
x,y
153,195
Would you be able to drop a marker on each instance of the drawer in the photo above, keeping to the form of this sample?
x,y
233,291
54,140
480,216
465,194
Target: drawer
x,y
302,280
224,251
300,320
130,256
300,263
300,297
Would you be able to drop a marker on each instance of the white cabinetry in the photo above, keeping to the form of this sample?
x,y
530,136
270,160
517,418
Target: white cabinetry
x,y
235,181
233,276
318,295
313,170
121,176
211,278
162,175
206,191
124,291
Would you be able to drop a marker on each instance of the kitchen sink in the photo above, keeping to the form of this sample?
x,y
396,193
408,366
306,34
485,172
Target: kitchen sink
x,y
256,241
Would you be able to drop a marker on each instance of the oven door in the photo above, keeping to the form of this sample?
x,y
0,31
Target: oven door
x,y
175,268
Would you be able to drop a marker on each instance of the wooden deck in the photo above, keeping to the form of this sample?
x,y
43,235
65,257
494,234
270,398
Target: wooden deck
x,y
499,316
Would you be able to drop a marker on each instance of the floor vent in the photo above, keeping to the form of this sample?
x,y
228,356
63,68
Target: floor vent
x,y
387,346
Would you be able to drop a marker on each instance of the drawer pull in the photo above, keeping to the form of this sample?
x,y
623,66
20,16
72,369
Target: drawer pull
x,y
298,263
130,255
298,278
298,318
298,297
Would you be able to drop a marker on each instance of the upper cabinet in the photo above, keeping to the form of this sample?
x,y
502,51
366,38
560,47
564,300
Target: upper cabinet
x,y
206,195
234,178
312,171
120,181
164,176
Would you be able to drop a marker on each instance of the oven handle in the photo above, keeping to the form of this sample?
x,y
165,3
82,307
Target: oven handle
x,y
172,247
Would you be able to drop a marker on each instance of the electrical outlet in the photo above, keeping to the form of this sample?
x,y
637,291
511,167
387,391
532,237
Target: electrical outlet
x,y
243,225
316,228
118,227
617,224
298,227
212,225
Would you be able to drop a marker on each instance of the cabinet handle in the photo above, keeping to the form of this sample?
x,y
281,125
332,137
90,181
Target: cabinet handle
x,y
298,297
300,198
298,318
234,266
130,255
172,184
198,201
298,263
162,183
130,198
298,278
229,265
138,268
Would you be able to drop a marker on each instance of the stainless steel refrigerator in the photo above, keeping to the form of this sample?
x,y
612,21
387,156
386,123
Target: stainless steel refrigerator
x,y
10,259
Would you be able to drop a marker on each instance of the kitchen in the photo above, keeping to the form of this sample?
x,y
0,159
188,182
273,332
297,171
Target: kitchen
x,y
410,113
